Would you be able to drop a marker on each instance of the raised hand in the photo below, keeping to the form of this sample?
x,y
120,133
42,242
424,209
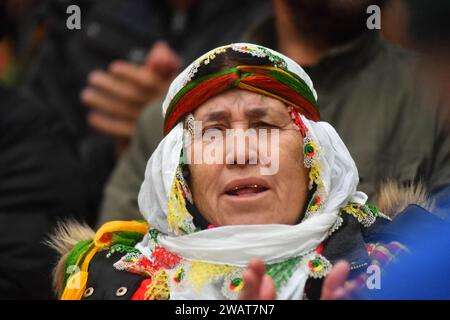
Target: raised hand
x,y
257,285
118,95
336,286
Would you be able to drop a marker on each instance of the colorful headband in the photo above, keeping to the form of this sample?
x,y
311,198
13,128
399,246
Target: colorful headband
x,y
274,82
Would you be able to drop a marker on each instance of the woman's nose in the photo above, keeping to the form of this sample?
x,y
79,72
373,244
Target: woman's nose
x,y
241,147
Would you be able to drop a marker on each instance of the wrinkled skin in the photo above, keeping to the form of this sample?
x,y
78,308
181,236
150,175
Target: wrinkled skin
x,y
286,194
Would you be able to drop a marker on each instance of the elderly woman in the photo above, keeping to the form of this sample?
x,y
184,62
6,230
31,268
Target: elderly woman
x,y
246,225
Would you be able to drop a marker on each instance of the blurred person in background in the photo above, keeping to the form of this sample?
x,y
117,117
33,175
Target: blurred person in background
x,y
40,184
426,29
429,32
23,30
101,77
53,162
370,90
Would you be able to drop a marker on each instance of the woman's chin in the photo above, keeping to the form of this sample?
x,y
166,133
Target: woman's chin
x,y
250,218
248,208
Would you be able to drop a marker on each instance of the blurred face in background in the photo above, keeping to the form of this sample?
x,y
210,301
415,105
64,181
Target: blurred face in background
x,y
330,22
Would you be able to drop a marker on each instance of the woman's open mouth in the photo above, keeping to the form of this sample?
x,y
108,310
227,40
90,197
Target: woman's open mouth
x,y
246,190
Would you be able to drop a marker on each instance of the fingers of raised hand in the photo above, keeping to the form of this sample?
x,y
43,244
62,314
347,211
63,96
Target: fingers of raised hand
x,y
334,287
257,285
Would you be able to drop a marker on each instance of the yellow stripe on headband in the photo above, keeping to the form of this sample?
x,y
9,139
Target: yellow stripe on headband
x,y
267,68
267,93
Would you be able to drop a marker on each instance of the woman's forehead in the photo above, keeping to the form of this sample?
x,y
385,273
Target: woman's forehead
x,y
240,103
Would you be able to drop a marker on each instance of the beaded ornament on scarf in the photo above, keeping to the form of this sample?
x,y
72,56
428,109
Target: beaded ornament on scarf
x,y
179,220
311,161
365,214
311,153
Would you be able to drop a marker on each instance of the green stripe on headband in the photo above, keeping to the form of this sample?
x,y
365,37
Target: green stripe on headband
x,y
294,82
191,85
298,86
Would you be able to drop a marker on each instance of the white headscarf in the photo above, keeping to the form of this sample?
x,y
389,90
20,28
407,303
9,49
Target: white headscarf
x,y
236,245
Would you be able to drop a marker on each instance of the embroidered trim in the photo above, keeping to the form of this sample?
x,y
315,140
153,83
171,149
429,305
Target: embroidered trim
x,y
255,51
136,263
281,272
365,214
163,258
199,272
189,124
261,52
153,233
318,266
179,275
336,225
179,220
311,153
158,289
233,284
122,249
206,59
180,272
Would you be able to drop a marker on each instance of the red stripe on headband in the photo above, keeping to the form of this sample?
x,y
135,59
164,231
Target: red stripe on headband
x,y
274,86
197,96
214,86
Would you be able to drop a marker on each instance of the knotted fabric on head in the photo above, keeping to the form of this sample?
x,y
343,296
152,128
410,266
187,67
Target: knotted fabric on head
x,y
267,80
330,166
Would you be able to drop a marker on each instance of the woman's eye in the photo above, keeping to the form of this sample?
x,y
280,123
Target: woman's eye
x,y
216,130
264,125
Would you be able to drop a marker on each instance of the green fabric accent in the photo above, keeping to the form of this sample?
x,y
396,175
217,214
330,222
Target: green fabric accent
x,y
140,220
193,84
373,209
180,275
154,235
122,249
316,263
236,281
298,86
281,272
126,238
308,149
74,255
274,58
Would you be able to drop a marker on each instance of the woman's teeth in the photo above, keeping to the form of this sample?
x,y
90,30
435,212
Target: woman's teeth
x,y
241,190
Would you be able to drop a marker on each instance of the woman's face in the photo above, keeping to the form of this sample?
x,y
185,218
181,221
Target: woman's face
x,y
238,190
